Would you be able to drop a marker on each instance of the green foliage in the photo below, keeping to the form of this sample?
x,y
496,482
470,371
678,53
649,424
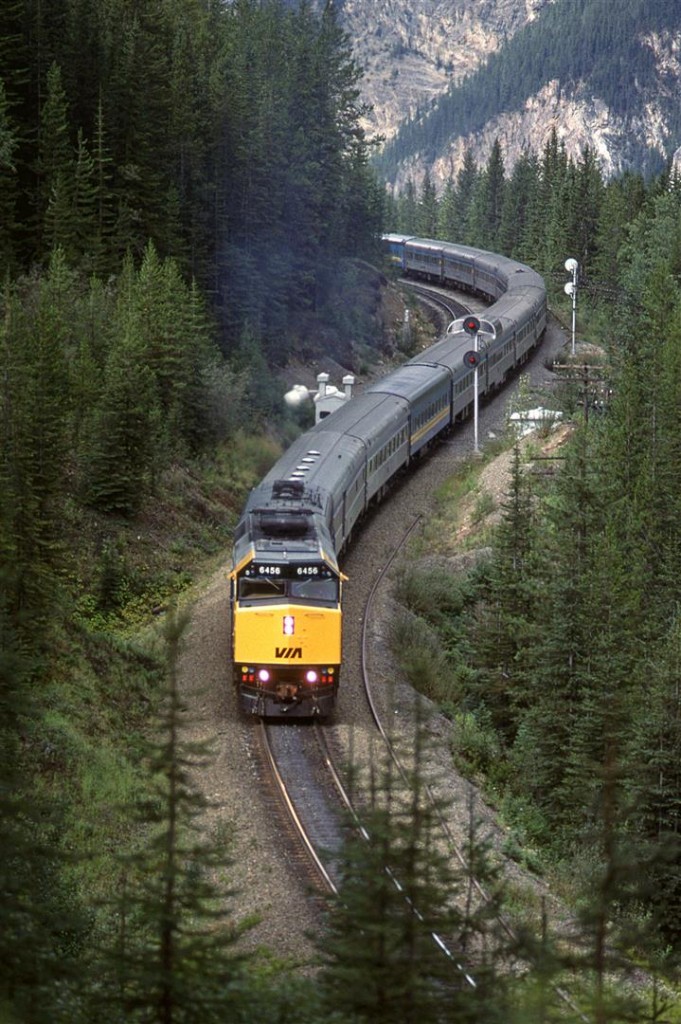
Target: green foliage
x,y
173,957
564,655
124,435
422,657
398,891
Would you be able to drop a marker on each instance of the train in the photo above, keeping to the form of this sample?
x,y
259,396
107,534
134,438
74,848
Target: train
x,y
286,581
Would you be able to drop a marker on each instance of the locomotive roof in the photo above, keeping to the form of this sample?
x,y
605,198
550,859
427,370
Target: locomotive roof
x,y
283,521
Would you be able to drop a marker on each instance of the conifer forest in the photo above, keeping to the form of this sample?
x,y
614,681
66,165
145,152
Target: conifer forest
x,y
182,185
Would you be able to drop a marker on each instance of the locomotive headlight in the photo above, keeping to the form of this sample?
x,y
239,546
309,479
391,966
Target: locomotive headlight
x,y
311,676
263,675
289,625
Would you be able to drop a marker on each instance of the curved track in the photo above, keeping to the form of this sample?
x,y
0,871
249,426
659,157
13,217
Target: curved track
x,y
314,804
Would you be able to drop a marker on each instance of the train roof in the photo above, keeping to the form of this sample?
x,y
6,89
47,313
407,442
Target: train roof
x,y
448,352
321,463
411,381
370,418
454,250
283,521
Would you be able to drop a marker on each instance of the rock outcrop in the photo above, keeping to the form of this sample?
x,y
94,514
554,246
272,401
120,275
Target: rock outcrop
x,y
411,52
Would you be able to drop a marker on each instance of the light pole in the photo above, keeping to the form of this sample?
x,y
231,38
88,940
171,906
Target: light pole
x,y
471,326
570,288
482,332
478,330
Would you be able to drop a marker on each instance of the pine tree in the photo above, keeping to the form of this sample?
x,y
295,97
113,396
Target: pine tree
x,y
519,198
55,167
448,214
428,209
622,200
654,784
382,961
486,210
586,205
84,203
545,236
103,212
122,438
505,625
409,209
174,961
35,340
8,172
560,670
466,187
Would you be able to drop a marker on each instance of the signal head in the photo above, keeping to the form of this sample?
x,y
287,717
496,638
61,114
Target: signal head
x,y
471,325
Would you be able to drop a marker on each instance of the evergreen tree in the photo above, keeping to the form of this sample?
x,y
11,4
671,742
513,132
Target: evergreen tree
x,y
122,438
506,621
622,200
587,197
654,785
545,236
101,186
55,167
486,211
561,670
409,210
519,198
466,187
84,203
428,209
35,340
174,961
8,146
398,893
448,214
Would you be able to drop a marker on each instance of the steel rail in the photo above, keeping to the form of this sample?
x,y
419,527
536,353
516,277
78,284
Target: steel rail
x,y
290,808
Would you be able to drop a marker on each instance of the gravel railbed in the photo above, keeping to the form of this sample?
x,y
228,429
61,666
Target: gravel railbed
x,y
268,888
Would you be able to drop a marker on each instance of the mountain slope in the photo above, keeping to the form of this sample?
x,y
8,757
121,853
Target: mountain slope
x,y
467,71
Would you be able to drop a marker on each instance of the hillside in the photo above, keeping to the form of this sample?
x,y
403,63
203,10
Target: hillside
x,y
456,74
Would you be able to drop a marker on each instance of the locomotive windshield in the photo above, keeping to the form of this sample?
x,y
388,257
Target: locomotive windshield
x,y
250,589
291,581
314,589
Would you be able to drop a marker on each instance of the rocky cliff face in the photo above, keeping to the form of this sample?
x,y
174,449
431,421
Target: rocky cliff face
x,y
410,51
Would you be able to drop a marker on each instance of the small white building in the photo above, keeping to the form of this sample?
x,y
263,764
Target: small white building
x,y
328,397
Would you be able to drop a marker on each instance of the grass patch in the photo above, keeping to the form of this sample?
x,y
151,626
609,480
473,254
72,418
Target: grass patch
x,y
421,656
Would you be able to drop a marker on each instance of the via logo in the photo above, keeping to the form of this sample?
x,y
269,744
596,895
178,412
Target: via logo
x,y
288,652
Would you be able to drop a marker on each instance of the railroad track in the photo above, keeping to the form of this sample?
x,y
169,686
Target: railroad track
x,y
301,778
318,806
447,307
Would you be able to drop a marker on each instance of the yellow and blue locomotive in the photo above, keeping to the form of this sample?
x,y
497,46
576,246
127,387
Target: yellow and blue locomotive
x,y
286,604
